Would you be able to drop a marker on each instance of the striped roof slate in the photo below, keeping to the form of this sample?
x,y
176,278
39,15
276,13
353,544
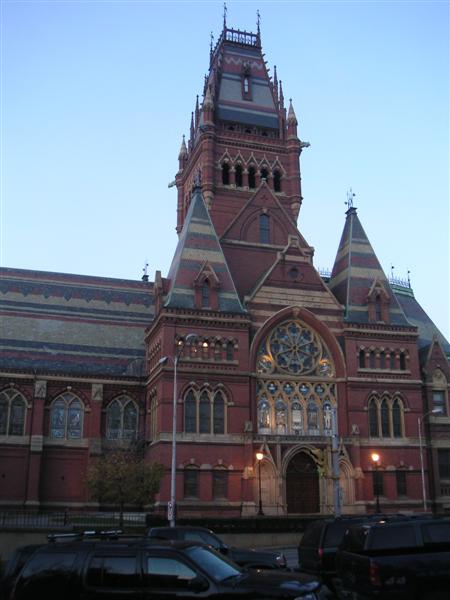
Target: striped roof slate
x,y
73,324
260,110
197,247
356,269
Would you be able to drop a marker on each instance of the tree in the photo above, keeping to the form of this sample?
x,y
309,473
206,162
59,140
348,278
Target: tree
x,y
122,477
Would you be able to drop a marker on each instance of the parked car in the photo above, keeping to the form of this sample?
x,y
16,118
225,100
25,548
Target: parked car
x,y
319,544
245,557
401,559
143,569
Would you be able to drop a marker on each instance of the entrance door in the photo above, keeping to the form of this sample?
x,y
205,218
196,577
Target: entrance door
x,y
302,485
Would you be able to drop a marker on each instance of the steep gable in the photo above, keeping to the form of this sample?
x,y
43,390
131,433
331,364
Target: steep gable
x,y
358,281
199,252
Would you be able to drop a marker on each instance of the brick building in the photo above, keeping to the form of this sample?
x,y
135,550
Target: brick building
x,y
316,372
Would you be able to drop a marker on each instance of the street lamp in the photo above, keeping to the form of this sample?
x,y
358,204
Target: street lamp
x,y
171,508
434,411
376,461
259,457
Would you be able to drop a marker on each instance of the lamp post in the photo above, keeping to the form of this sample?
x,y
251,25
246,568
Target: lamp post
x,y
259,457
376,460
434,411
171,508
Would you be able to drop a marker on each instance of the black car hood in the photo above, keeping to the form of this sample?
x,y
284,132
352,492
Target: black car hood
x,y
277,583
251,553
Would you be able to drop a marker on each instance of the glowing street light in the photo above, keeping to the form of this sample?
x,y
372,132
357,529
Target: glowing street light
x,y
259,457
376,461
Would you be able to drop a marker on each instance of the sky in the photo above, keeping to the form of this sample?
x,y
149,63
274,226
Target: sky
x,y
95,96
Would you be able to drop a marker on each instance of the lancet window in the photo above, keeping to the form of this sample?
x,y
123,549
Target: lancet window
x,y
66,417
204,411
12,412
386,416
296,392
121,419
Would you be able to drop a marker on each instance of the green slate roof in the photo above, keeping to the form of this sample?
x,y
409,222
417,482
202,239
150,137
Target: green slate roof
x,y
199,247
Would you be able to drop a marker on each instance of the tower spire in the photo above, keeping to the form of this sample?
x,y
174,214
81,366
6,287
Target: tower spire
x,y
275,83
224,16
258,23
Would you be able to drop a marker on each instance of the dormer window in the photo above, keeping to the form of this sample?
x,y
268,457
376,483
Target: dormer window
x,y
205,294
246,83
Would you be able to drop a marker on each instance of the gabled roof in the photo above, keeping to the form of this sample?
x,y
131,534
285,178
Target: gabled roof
x,y
199,246
418,317
357,272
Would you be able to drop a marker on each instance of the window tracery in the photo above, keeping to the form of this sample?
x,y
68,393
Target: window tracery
x,y
204,411
121,419
12,412
66,417
296,393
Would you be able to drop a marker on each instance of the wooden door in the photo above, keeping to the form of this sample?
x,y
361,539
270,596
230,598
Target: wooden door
x,y
302,485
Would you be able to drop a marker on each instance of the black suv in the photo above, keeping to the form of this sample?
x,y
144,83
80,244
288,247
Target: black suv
x,y
141,569
245,557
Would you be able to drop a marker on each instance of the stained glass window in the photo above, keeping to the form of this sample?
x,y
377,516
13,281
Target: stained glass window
x,y
66,417
12,412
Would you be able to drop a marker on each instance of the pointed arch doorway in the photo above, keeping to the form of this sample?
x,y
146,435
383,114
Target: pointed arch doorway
x,y
302,485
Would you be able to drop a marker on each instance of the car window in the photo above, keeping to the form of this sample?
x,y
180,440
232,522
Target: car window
x,y
167,571
46,575
202,536
217,566
112,571
436,533
354,539
311,537
393,537
335,532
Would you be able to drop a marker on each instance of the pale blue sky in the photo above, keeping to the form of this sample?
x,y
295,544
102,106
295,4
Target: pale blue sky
x,y
95,96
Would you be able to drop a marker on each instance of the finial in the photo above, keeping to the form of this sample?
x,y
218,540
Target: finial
x,y
392,272
183,149
258,22
208,102
145,275
291,112
409,280
224,16
350,196
211,45
281,95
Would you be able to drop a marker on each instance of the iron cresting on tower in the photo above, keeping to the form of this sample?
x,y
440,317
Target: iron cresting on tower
x,y
315,373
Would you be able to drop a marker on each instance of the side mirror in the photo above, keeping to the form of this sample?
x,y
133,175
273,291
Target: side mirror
x,y
198,584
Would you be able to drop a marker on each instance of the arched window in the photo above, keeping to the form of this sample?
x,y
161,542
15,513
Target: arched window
x,y
190,413
246,85
382,360
373,418
372,359
378,314
220,483
230,350
12,412
218,351
263,414
439,392
384,410
264,174
362,359
277,181
313,422
392,361
402,361
397,418
121,419
238,175
219,413
205,413
190,482
264,229
66,417
297,416
280,416
226,174
205,294
251,177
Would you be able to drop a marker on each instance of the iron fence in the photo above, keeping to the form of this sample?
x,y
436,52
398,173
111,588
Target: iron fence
x,y
69,520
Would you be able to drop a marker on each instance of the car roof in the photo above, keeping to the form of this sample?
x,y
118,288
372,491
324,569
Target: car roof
x,y
183,527
123,542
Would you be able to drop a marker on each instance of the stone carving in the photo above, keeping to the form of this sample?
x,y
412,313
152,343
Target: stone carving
x,y
97,392
40,389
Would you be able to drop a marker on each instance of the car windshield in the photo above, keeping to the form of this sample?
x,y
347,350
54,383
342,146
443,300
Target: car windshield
x,y
217,567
